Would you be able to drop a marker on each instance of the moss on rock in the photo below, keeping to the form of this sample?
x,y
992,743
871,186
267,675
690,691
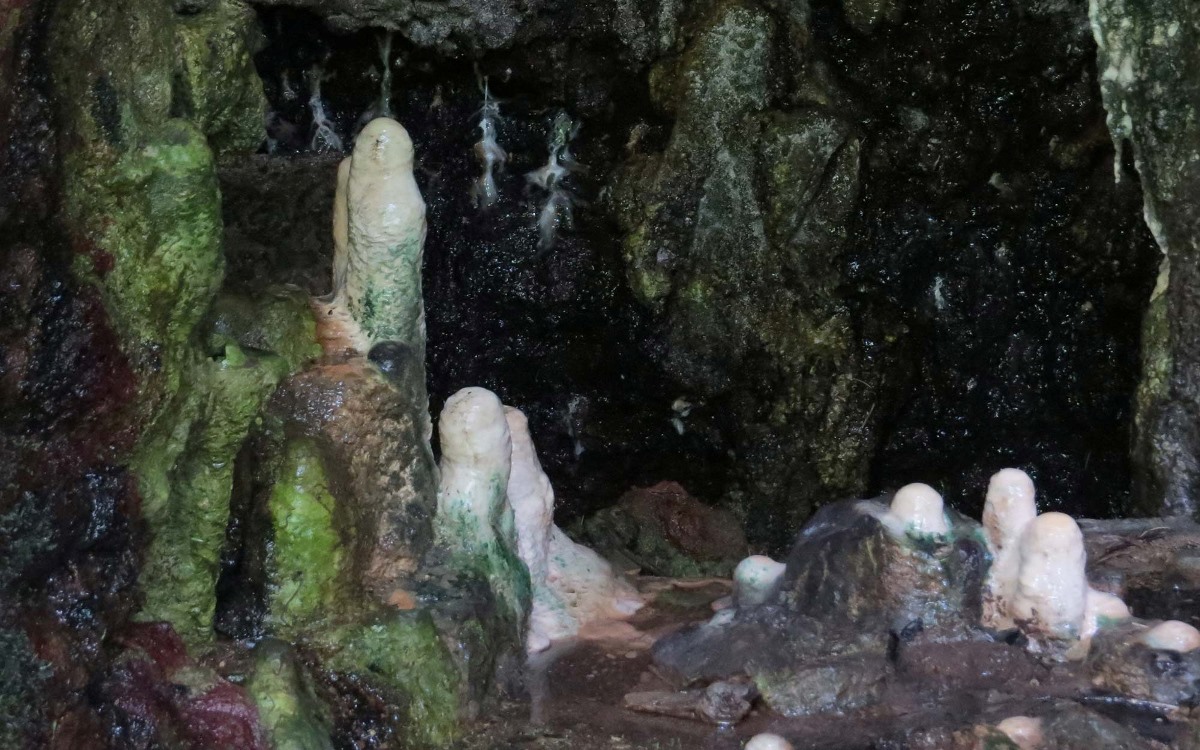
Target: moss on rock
x,y
305,558
288,707
278,320
216,85
734,237
183,561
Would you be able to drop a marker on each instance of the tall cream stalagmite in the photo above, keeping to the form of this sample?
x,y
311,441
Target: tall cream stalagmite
x,y
341,230
1051,593
476,459
474,520
385,239
1007,511
572,585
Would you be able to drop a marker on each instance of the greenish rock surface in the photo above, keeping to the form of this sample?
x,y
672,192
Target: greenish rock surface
x,y
277,320
138,91
1148,55
216,85
338,526
403,653
21,677
288,707
313,597
184,558
733,237
305,557
663,531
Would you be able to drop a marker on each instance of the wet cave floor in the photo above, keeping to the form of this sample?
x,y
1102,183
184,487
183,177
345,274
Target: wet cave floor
x,y
577,690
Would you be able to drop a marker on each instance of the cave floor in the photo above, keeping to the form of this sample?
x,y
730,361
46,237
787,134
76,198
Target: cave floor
x,y
577,693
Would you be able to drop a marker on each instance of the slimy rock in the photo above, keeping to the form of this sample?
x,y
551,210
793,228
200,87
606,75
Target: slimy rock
x,y
754,579
1007,511
572,585
1173,635
1051,593
918,508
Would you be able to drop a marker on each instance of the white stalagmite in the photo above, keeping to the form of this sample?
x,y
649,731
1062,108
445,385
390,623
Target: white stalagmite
x,y
341,230
1051,593
1024,731
768,742
386,237
1172,635
918,509
572,585
1007,511
754,579
476,456
1100,610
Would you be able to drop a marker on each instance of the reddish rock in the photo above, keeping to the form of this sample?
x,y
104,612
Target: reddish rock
x,y
699,531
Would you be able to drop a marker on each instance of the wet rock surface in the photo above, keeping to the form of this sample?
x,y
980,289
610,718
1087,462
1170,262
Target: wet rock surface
x,y
664,531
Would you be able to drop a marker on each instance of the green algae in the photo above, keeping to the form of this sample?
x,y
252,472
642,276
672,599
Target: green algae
x,y
183,560
216,85
290,712
306,557
278,320
403,653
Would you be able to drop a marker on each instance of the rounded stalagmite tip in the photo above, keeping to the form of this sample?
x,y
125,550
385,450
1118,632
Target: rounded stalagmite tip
x,y
919,509
1172,635
768,741
754,579
1009,507
1024,731
1052,587
472,428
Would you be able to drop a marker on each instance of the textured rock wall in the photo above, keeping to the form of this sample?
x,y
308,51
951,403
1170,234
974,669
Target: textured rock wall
x,y
1150,75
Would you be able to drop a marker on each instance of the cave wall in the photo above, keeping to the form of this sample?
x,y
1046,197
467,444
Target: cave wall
x,y
859,246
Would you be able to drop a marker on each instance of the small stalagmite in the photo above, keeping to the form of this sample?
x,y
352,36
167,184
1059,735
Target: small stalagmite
x,y
754,579
919,510
768,741
1024,731
1172,635
1051,593
1007,511
379,240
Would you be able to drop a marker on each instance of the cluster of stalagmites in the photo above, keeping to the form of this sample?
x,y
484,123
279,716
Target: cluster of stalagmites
x,y
495,504
1036,584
